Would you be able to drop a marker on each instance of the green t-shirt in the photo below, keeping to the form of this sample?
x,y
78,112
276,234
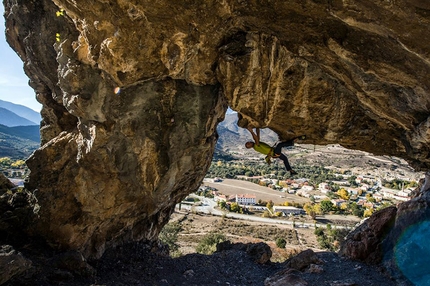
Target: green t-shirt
x,y
263,148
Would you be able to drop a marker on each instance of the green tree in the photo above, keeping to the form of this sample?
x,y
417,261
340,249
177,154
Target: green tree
x,y
209,242
278,214
5,161
249,174
281,242
352,181
234,207
326,206
355,209
270,205
222,204
309,209
169,236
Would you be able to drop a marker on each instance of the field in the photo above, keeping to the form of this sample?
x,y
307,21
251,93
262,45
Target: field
x,y
232,187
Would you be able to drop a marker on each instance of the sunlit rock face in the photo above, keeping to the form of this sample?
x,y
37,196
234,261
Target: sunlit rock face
x,y
132,92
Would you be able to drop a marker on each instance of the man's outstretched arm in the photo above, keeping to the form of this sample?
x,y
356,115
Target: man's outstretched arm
x,y
255,136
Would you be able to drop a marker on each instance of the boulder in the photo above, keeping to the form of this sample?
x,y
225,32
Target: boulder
x,y
365,241
303,260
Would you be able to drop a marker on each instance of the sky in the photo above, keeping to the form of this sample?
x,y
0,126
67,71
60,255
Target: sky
x,y
13,81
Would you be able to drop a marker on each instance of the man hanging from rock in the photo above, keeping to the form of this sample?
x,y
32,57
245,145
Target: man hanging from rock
x,y
271,152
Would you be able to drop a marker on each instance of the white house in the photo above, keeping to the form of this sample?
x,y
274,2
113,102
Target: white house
x,y
295,185
324,188
353,191
364,187
246,199
378,196
337,202
307,188
288,210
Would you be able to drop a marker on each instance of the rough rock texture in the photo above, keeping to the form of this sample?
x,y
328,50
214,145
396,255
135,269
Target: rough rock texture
x,y
11,263
5,184
331,270
132,92
303,260
258,252
365,242
17,210
113,166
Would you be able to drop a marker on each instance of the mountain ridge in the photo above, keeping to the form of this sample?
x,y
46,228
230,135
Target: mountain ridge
x,y
11,119
20,111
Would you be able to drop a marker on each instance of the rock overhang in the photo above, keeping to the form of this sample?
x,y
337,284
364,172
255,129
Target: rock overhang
x,y
340,72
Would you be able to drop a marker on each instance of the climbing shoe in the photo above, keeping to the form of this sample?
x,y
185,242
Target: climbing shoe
x,y
292,172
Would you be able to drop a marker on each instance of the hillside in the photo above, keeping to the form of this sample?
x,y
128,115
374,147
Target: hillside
x,y
21,111
18,142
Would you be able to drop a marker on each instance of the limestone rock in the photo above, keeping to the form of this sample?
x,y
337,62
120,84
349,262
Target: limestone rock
x,y
303,260
73,262
259,252
365,242
315,268
12,263
18,209
5,184
289,276
289,279
132,92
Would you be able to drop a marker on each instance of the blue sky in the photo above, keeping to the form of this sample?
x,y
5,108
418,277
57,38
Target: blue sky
x,y
13,81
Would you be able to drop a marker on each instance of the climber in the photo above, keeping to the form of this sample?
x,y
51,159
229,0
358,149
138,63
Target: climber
x,y
272,152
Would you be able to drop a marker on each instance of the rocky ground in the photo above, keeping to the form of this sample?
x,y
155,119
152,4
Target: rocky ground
x,y
244,261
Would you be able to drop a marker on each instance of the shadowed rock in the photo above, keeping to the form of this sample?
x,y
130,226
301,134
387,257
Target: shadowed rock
x,y
12,263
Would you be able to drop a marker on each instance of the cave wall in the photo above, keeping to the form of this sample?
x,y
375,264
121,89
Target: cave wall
x,y
132,92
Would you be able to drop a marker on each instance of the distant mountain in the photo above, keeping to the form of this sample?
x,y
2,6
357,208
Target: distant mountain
x,y
19,142
10,119
21,111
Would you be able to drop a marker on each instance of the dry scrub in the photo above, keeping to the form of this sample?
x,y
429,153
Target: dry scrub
x,y
196,226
